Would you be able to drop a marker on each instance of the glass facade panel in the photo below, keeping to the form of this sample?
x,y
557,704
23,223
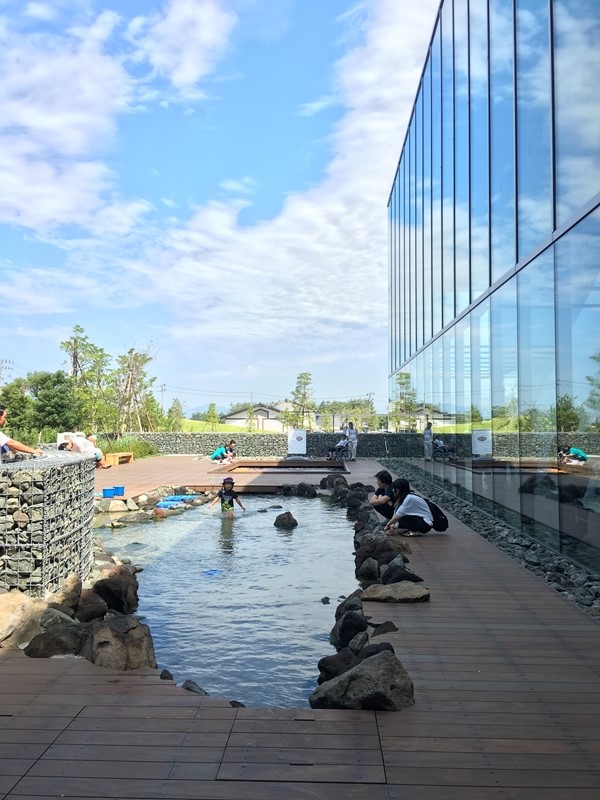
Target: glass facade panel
x,y
578,385
436,181
505,392
479,164
502,138
495,215
533,125
447,164
427,199
537,396
462,247
577,115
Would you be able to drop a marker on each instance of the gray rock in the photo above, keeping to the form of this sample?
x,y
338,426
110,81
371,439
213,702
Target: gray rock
x,y
346,628
285,520
120,642
192,686
368,570
359,642
404,592
53,618
379,683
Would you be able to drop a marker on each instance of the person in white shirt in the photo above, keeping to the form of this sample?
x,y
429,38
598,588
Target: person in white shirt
x,y
13,444
428,442
79,444
412,516
333,451
352,436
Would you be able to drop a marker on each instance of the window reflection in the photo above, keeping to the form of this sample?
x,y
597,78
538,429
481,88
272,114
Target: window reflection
x,y
447,164
480,255
481,405
502,144
533,125
461,152
537,398
436,182
577,114
427,322
578,382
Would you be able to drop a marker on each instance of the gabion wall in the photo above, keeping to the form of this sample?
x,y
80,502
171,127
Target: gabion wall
x,y
46,512
370,445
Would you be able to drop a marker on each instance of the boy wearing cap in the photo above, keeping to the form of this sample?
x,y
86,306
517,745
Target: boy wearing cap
x,y
227,496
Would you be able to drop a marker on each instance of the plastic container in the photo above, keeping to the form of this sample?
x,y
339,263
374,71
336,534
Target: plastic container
x,y
119,491
180,498
108,492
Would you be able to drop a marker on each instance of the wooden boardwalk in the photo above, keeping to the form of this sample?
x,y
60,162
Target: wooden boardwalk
x,y
507,689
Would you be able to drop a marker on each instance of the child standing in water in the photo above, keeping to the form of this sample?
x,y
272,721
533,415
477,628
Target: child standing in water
x,y
227,496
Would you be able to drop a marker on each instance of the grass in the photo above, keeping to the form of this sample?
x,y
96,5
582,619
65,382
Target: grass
x,y
199,426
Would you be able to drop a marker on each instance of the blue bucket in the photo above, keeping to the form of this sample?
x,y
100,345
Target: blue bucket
x,y
108,492
119,491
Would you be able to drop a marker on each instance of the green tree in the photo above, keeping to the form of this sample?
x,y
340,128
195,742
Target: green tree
x,y
250,426
566,414
593,400
301,415
55,403
175,416
131,384
90,368
19,402
212,418
404,404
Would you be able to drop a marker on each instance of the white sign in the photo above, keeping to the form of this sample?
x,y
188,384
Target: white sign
x,y
297,442
481,442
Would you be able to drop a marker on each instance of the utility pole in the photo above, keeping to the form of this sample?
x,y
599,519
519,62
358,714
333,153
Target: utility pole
x,y
162,397
5,366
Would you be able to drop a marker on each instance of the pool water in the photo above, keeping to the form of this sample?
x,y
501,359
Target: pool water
x,y
235,605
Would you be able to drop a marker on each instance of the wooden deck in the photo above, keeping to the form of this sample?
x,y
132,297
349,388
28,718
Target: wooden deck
x,y
507,688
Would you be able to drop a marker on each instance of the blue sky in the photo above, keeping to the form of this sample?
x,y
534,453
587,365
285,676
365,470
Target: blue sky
x,y
206,179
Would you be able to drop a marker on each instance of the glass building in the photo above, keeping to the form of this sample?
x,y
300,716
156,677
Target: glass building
x,y
494,264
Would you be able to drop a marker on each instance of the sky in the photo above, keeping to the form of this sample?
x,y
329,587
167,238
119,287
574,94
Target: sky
x,y
206,180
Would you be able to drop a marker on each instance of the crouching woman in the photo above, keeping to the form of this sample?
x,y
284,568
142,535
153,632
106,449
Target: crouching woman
x,y
412,516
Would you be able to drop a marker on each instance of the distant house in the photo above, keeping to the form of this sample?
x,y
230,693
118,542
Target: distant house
x,y
266,417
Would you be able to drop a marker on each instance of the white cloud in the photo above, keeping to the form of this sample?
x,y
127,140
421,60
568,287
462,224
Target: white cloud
x,y
40,11
244,185
315,107
184,43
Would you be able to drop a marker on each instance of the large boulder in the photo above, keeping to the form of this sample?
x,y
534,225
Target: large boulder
x,y
134,517
346,628
381,548
396,574
19,618
120,642
68,594
332,666
285,520
405,592
91,606
351,603
368,570
118,590
379,683
58,641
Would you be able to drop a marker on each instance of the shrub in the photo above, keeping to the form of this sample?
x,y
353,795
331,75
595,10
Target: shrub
x,y
128,444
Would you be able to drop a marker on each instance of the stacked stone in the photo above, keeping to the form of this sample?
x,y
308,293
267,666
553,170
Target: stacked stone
x,y
46,511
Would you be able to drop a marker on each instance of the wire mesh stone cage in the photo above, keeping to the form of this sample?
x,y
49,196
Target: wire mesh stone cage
x,y
46,513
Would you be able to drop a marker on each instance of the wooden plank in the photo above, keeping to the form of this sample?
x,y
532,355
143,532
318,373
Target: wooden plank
x,y
327,773
488,777
306,755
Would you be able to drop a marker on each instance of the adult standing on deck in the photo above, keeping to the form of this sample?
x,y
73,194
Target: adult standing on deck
x,y
352,436
428,441
13,444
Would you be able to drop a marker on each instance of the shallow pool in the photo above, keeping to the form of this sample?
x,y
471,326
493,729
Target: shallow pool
x,y
236,604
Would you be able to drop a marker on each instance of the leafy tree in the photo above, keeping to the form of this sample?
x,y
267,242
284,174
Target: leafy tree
x,y
17,398
212,418
593,400
131,384
175,416
567,415
250,426
301,415
404,404
55,403
91,373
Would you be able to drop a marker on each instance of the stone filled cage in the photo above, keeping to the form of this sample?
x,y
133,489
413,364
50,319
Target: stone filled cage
x,y
46,513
